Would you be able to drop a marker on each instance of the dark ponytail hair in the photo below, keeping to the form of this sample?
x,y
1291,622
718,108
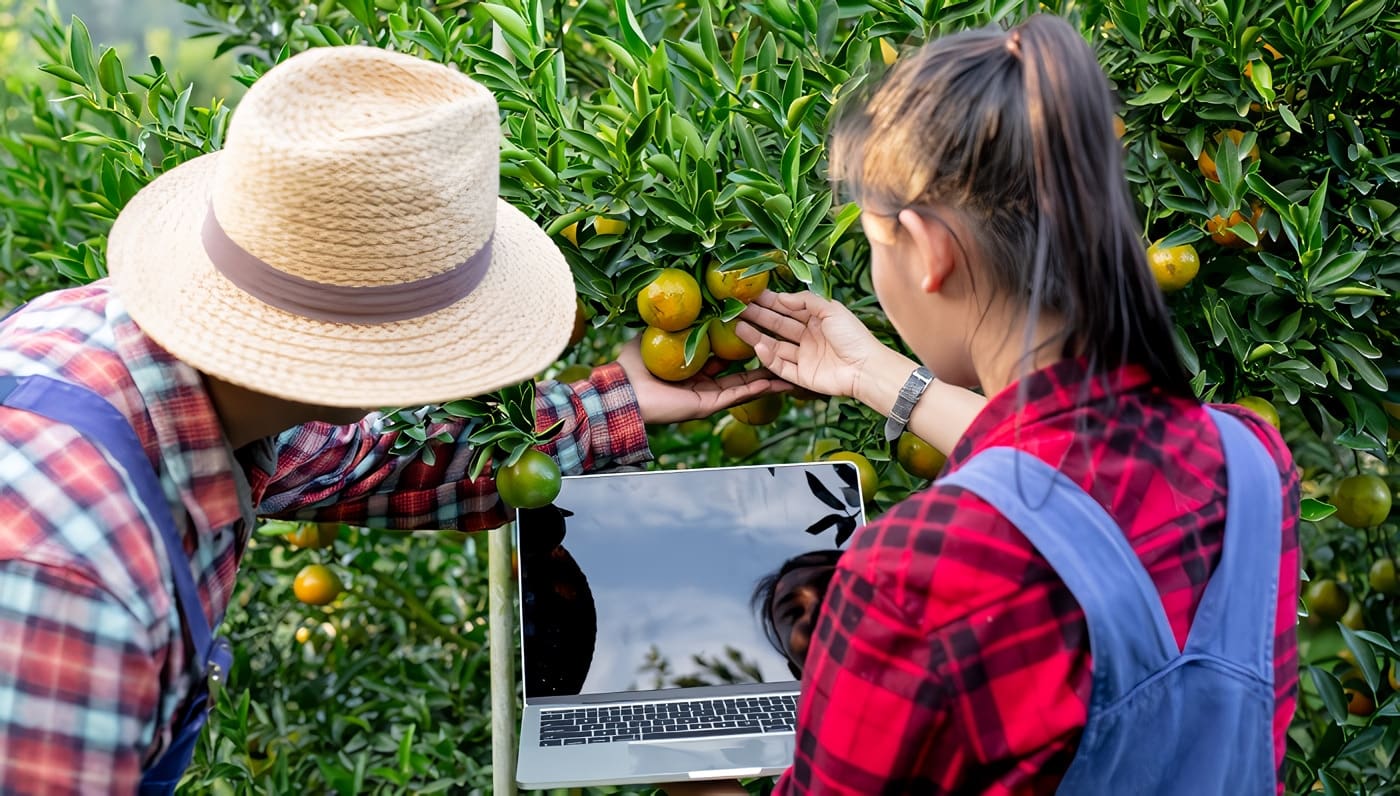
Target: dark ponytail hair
x,y
1013,132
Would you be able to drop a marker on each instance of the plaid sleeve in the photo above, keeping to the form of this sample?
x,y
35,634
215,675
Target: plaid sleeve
x,y
347,474
870,702
78,684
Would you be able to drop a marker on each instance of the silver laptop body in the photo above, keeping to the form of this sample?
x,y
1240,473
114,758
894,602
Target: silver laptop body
x,y
643,658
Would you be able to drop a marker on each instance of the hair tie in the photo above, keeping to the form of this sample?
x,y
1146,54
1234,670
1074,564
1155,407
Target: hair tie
x,y
1013,43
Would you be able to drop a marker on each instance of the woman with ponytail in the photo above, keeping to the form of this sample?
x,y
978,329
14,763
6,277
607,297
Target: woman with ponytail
x,y
1098,594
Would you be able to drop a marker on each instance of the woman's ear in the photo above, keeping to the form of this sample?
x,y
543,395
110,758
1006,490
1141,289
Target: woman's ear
x,y
933,252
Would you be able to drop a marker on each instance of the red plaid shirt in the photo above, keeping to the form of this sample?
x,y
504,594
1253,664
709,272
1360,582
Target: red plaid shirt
x,y
92,661
951,658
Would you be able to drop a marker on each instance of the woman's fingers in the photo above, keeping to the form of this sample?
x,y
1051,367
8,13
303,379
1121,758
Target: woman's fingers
x,y
774,322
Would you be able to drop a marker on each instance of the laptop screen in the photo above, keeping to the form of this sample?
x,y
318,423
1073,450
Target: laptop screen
x,y
639,581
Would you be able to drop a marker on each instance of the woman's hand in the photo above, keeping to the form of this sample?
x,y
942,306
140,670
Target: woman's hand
x,y
809,341
674,402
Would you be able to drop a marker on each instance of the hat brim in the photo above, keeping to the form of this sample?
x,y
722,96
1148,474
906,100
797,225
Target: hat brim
x,y
513,324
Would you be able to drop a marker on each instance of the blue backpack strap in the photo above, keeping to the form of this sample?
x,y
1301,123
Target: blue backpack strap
x,y
1129,635
1236,616
100,422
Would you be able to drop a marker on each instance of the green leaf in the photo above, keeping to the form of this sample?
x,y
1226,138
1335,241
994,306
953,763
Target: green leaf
x,y
1154,96
1333,696
63,73
80,50
1377,640
110,73
1313,510
731,309
1263,79
632,36
1365,657
692,340
1336,268
511,23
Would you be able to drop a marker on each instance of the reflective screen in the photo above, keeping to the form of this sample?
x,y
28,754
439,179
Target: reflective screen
x,y
643,580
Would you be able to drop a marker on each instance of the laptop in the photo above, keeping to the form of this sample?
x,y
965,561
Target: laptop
x,y
643,658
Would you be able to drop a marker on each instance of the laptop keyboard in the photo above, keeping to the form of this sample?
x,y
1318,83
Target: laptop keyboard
x,y
654,721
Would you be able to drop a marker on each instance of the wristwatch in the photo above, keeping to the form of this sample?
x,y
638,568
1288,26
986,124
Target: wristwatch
x,y
909,395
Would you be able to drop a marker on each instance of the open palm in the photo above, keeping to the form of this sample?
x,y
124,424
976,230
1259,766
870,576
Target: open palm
x,y
808,341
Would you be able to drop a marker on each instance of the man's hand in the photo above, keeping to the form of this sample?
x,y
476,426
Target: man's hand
x,y
673,402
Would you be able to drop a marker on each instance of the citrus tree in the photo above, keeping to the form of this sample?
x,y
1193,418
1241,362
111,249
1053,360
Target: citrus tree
x,y
676,151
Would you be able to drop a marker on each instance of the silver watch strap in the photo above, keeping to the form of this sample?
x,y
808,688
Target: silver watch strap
x,y
909,395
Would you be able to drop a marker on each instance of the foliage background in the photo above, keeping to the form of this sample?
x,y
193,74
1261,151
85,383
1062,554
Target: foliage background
x,y
701,125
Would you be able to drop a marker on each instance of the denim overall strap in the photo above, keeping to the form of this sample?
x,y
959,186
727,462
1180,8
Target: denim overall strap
x,y
100,422
1129,635
1236,616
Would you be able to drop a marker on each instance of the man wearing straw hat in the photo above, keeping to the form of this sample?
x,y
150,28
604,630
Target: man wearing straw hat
x,y
346,249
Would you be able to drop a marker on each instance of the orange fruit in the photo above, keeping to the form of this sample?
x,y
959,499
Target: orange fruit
x,y
303,635
671,301
1173,266
1362,501
869,479
609,226
731,284
1353,618
574,373
1326,600
316,584
760,411
888,53
1382,576
726,344
314,535
820,448
1206,161
1219,227
532,481
1260,407
737,440
1120,128
663,353
918,458
1360,703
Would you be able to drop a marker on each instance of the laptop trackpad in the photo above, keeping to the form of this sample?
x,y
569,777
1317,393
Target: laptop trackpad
x,y
761,751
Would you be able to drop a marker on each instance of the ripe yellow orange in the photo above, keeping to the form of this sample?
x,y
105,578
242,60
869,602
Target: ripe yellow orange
x,y
1219,227
609,226
737,440
663,353
725,344
671,301
760,411
1173,266
1260,407
1206,160
918,458
1120,128
316,584
730,284
314,535
869,479
1362,501
303,635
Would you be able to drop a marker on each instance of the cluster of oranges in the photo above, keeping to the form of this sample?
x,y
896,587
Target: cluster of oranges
x,y
671,305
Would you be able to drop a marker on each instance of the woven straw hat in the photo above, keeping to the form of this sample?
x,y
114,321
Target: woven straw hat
x,y
348,247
